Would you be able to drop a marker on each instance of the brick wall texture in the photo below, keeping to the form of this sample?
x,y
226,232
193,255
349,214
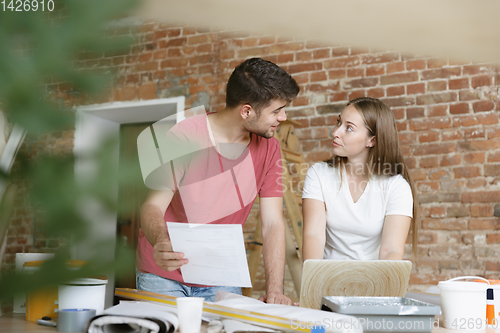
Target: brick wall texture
x,y
447,114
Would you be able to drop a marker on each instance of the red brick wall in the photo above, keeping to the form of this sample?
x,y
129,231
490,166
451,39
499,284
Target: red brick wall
x,y
447,114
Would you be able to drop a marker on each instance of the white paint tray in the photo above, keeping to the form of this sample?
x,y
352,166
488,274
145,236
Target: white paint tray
x,y
385,314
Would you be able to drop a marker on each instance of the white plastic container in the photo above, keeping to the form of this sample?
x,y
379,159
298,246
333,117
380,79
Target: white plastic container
x,y
464,303
86,293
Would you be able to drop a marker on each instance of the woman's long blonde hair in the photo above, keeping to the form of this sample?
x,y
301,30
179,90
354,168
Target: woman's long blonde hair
x,y
385,158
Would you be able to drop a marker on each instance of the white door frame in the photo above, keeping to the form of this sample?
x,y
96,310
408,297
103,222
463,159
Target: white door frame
x,y
95,124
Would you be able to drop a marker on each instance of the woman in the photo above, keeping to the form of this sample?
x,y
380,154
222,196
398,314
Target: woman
x,y
360,204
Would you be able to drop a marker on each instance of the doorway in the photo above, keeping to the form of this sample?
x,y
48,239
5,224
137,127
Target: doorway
x,y
95,124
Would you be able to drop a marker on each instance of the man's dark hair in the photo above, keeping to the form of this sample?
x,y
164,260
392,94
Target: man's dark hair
x,y
257,82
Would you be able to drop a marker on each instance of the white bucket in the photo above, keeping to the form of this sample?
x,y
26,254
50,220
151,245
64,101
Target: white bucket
x,y
464,303
86,293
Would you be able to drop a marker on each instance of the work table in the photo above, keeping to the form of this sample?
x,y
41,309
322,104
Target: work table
x,y
16,323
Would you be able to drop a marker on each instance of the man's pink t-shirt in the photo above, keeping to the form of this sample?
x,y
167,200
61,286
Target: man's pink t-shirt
x,y
209,188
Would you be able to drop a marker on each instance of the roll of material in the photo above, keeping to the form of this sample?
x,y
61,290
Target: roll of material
x,y
73,320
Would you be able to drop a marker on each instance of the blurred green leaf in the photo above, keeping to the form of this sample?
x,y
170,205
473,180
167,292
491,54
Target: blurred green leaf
x,y
56,271
38,50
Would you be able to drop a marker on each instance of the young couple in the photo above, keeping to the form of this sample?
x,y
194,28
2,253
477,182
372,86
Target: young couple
x,y
238,159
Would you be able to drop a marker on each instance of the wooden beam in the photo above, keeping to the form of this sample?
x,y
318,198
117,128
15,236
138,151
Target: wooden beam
x,y
292,208
293,261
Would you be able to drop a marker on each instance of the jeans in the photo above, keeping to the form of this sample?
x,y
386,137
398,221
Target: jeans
x,y
157,284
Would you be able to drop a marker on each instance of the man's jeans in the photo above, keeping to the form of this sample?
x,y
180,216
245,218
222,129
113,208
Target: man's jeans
x,y
157,284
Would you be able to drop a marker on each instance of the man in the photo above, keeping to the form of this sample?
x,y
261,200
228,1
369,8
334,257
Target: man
x,y
237,144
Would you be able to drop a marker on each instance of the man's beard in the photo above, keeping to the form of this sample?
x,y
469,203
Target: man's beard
x,y
267,134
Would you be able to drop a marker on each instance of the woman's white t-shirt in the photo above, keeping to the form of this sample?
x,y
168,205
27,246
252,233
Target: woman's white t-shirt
x,y
354,230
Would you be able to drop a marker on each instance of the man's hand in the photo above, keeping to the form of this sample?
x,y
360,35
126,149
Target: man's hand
x,y
155,230
166,258
275,298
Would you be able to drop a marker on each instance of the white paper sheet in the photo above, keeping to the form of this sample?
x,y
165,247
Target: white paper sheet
x,y
216,253
332,322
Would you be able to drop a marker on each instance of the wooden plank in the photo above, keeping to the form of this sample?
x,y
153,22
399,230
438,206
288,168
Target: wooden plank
x,y
292,141
210,309
301,169
282,135
293,147
292,208
291,121
293,261
285,136
291,152
292,157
